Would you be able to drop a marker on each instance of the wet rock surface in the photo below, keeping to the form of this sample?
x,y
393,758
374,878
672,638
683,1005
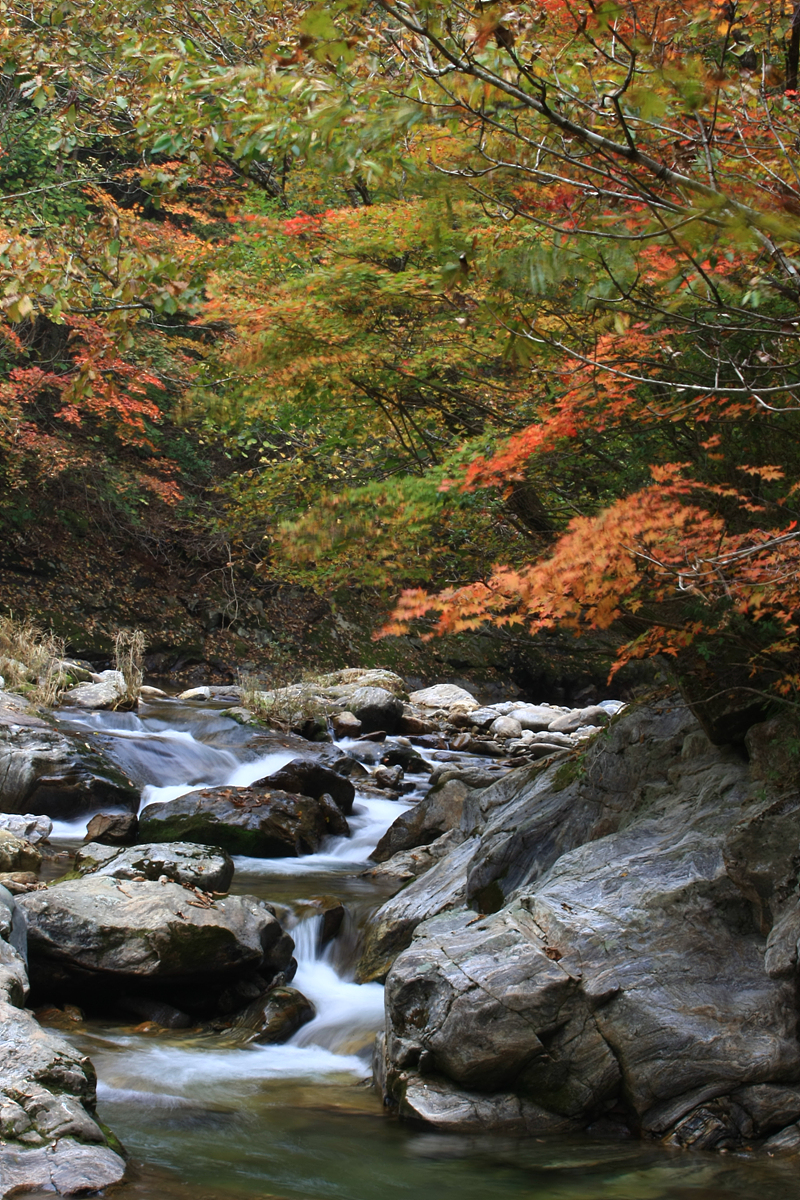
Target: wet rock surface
x,y
17,854
160,939
309,777
255,821
274,1017
615,934
49,1138
113,829
207,868
45,772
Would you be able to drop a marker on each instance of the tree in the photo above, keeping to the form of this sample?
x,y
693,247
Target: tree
x,y
546,252
650,153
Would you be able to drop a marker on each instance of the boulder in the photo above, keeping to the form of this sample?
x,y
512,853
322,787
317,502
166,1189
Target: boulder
x,y
309,777
341,683
770,1106
438,1103
441,888
565,741
15,712
371,696
346,725
45,772
255,821
569,722
49,1137
446,696
505,727
411,724
472,718
539,812
438,813
376,709
388,778
100,937
274,1017
544,749
614,962
196,693
333,914
536,717
205,867
108,692
66,1167
785,1142
491,749
113,829
408,758
30,828
410,864
16,854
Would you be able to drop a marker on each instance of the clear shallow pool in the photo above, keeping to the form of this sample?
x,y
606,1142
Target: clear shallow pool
x,y
206,1120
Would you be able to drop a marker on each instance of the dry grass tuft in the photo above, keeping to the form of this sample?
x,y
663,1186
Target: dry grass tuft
x,y
31,660
129,647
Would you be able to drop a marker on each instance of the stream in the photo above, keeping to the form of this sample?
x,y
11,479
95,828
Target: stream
x,y
206,1120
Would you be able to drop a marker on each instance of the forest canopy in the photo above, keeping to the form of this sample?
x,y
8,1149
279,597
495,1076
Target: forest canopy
x,y
495,306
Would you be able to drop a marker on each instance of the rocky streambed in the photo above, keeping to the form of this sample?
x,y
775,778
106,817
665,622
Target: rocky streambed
x,y
585,920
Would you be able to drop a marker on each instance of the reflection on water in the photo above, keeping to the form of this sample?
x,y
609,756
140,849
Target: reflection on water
x,y
205,1120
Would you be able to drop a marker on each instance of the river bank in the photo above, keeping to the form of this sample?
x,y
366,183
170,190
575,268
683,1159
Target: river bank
x,y
203,1117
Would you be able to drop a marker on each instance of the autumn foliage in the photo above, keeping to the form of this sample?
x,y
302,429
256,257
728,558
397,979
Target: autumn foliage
x,y
495,303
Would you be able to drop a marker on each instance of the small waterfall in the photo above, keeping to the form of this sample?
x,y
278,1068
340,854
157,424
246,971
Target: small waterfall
x,y
348,1014
170,760
154,753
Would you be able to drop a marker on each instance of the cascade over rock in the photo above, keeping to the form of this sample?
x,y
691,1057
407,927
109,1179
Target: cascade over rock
x,y
45,772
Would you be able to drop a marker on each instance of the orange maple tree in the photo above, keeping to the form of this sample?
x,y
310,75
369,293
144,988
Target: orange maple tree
x,y
650,152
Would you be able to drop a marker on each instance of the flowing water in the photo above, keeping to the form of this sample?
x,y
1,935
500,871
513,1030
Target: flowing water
x,y
204,1119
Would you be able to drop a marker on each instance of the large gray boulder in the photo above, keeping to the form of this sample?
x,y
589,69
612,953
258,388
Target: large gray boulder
x,y
371,695
49,1137
441,888
376,708
30,828
440,812
107,691
444,696
65,1167
257,821
99,937
631,949
205,867
45,772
